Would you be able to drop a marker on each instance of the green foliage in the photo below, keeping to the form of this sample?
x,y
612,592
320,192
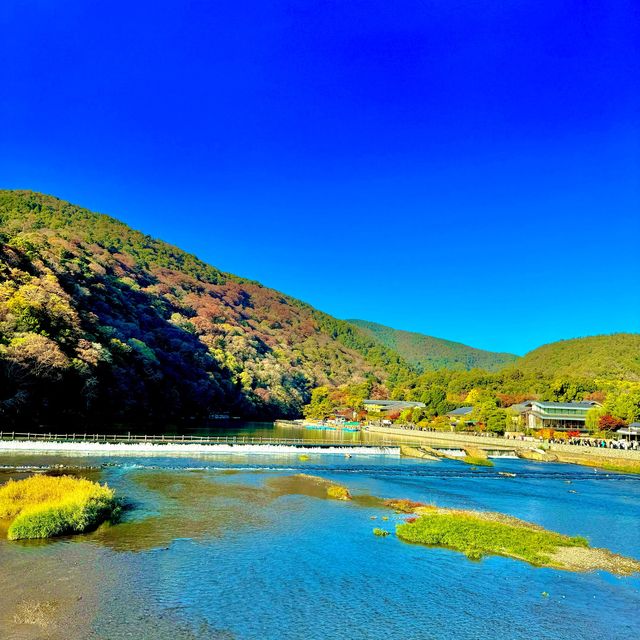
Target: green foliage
x,y
23,212
612,357
320,405
436,401
382,533
568,389
476,536
51,521
623,401
619,466
593,418
497,421
432,354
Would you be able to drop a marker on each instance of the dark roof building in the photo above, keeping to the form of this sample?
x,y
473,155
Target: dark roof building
x,y
521,407
583,404
390,406
632,431
460,412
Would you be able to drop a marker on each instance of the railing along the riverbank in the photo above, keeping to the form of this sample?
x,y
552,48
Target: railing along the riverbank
x,y
134,438
462,439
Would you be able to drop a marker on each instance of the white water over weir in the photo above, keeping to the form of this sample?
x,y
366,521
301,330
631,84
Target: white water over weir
x,y
172,445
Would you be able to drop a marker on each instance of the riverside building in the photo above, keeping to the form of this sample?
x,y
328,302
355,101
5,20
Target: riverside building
x,y
559,416
385,407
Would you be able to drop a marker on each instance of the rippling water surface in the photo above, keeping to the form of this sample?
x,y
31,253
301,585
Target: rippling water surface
x,y
233,547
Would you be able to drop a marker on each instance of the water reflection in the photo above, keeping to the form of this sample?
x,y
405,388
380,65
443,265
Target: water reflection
x,y
238,428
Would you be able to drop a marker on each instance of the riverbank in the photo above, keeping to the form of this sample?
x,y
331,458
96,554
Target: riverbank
x,y
618,460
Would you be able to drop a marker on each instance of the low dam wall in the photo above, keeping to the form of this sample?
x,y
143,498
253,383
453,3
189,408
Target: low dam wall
x,y
450,438
187,445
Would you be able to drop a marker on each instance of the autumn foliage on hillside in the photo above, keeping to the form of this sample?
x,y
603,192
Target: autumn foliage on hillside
x,y
101,322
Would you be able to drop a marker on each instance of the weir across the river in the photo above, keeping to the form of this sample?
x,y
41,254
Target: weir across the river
x,y
187,444
133,438
184,443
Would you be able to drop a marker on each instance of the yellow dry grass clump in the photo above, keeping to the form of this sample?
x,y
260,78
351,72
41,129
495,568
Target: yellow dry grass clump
x,y
338,492
45,506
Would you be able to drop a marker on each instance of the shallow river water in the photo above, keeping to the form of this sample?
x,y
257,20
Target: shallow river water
x,y
232,547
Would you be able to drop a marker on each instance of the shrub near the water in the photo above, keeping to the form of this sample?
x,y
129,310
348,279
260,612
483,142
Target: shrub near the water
x,y
45,506
478,462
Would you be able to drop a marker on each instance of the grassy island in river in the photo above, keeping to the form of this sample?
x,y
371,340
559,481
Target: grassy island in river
x,y
45,506
477,534
474,533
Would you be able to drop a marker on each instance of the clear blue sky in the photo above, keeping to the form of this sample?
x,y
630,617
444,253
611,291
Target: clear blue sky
x,y
470,170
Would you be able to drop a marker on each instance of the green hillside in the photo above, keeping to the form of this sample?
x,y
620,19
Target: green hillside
x,y
101,322
612,357
432,354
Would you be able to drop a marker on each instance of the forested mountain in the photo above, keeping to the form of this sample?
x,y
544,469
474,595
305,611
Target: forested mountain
x,y
101,322
432,354
611,357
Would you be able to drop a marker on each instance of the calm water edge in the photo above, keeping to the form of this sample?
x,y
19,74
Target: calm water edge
x,y
230,547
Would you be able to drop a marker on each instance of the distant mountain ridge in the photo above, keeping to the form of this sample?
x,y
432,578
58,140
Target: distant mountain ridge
x,y
431,354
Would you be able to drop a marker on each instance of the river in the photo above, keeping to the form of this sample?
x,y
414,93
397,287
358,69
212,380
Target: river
x,y
228,547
